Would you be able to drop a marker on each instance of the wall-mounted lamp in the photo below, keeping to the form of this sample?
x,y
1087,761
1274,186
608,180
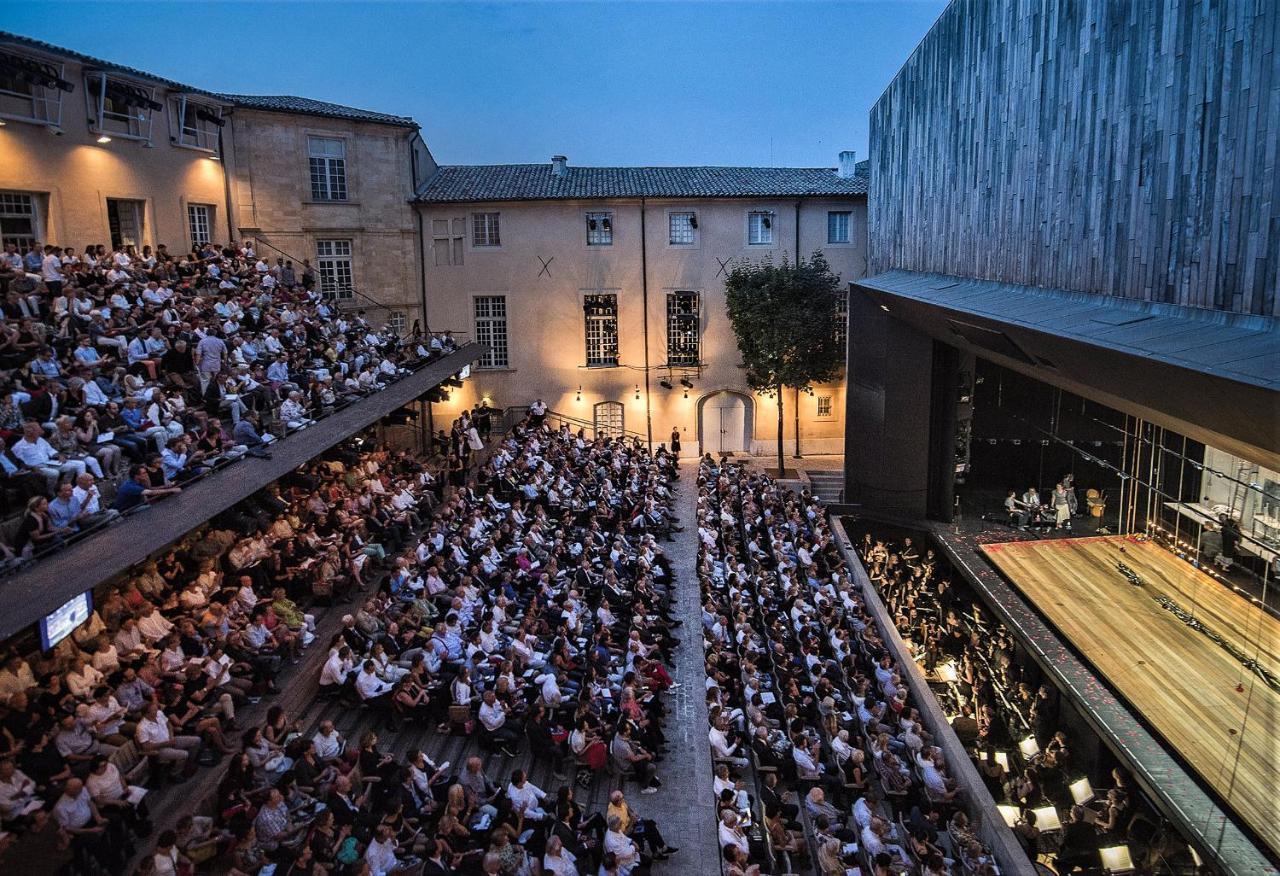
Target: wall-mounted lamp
x,y
104,139
637,392
686,393
579,398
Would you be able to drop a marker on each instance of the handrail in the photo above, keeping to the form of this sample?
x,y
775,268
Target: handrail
x,y
352,289
514,413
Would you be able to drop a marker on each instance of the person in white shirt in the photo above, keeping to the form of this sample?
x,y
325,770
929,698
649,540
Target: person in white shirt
x,y
557,860
721,747
37,454
329,744
381,854
156,739
526,797
731,834
18,796
337,668
493,717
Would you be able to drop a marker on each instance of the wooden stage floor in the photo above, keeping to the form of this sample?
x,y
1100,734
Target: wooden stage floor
x,y
1220,717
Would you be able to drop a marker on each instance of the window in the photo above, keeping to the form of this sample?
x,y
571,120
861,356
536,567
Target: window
x,y
328,162
484,229
599,229
199,221
333,264
682,328
824,407
682,228
601,315
759,227
124,221
194,125
18,220
838,226
842,317
396,322
119,108
446,241
491,329
31,90
608,418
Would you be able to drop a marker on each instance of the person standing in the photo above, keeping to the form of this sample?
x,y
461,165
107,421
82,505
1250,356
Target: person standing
x,y
675,441
210,353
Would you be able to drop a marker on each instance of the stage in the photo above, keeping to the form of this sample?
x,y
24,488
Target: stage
x,y
1213,711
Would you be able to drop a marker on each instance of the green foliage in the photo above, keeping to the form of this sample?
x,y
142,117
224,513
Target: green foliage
x,y
785,319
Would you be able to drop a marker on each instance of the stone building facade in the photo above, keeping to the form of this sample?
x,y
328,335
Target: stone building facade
x,y
602,289
94,152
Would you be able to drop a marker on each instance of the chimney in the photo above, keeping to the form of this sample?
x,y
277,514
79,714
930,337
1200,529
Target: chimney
x,y
848,162
558,165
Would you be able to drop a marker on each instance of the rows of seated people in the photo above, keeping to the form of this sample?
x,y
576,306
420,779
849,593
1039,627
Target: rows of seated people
x,y
161,367
526,616
818,747
149,688
1013,724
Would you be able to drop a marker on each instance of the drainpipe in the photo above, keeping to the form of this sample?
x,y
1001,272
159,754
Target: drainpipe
x,y
796,409
644,299
422,243
226,190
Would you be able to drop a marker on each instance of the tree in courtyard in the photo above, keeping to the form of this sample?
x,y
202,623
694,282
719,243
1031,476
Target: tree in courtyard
x,y
785,317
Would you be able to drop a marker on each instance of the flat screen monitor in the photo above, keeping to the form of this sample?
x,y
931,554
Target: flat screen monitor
x,y
62,622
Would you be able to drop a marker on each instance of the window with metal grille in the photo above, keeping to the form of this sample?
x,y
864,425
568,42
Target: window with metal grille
x,y
682,328
842,317
682,228
760,227
18,220
824,406
600,313
31,90
599,229
333,265
484,230
491,329
199,221
120,108
396,322
327,157
194,125
838,226
608,418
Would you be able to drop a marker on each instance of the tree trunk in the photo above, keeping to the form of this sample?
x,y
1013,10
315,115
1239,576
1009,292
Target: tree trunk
x,y
782,472
795,411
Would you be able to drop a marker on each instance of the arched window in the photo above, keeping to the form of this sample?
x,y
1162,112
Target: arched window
x,y
608,419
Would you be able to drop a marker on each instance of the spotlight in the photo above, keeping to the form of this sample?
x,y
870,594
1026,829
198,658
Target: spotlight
x,y
214,158
686,383
579,398
104,139
664,383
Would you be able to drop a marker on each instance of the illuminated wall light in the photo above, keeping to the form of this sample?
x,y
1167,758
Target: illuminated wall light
x,y
637,392
104,139
579,398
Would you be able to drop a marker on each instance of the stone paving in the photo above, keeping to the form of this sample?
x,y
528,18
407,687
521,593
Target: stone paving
x,y
684,806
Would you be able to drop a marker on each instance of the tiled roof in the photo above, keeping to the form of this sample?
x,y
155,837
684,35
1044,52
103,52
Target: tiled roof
x,y
275,103
534,182
284,103
89,60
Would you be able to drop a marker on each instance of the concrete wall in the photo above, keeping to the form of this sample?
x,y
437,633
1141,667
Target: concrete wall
x,y
545,319
271,188
1123,147
71,176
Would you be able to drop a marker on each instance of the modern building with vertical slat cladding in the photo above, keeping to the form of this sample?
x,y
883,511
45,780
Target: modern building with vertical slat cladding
x,y
1122,148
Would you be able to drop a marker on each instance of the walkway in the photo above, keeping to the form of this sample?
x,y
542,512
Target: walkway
x,y
684,806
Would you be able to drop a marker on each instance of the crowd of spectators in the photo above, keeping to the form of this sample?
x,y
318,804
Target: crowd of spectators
x,y
1009,718
148,369
532,614
148,689
819,751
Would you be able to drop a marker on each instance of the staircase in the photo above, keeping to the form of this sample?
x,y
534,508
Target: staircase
x,y
827,485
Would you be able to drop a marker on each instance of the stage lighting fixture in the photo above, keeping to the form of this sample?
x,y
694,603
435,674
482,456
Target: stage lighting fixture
x,y
104,139
686,383
664,383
